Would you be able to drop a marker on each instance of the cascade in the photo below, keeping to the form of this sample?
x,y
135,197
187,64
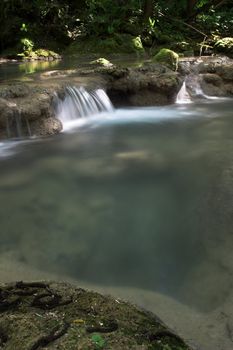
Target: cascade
x,y
183,95
14,126
80,103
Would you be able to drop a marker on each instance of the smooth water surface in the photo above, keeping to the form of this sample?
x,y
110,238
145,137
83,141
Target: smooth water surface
x,y
139,198
16,70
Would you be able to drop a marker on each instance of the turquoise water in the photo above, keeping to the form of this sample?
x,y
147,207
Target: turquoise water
x,y
138,198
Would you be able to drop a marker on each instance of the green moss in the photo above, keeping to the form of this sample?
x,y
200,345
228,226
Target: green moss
x,y
102,62
46,53
137,44
167,57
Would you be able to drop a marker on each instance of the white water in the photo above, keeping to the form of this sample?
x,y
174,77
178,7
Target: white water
x,y
80,103
183,95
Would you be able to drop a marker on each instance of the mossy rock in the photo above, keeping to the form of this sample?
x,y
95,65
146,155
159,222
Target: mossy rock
x,y
47,53
137,44
103,62
225,45
38,315
167,57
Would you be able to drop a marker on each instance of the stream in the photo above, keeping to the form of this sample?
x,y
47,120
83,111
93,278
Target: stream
x,y
135,202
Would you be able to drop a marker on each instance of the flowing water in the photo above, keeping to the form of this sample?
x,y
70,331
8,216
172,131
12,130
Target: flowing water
x,y
136,202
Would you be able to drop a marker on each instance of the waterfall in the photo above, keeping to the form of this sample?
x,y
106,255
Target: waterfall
x,y
14,126
183,95
80,103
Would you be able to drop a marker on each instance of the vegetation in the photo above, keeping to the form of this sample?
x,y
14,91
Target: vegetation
x,y
151,24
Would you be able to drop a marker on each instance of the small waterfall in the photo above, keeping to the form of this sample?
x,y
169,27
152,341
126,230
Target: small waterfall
x,y
183,95
80,103
14,126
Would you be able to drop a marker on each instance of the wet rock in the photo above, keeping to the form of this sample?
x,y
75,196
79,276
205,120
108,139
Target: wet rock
x,y
46,126
152,84
212,85
14,91
7,109
214,75
27,110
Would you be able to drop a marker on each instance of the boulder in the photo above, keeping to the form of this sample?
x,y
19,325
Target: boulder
x,y
167,57
151,84
36,315
27,111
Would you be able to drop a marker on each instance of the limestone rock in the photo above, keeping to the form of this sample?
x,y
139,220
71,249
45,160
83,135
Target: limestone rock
x,y
149,85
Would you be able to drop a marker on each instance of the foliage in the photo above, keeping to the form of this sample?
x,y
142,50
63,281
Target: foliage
x,y
225,45
27,45
57,23
105,17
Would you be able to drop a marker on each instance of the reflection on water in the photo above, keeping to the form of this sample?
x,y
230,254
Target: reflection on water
x,y
17,70
36,66
142,205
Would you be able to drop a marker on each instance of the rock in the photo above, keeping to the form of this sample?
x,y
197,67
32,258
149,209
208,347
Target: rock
x,y
35,315
212,85
167,57
137,45
7,111
149,85
102,62
45,127
27,110
14,91
214,75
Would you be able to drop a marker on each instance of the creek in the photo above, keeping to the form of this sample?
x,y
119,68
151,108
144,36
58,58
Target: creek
x,y
135,202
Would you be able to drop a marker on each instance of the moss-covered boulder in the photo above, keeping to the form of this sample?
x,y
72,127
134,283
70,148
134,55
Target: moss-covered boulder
x,y
43,53
58,316
137,45
225,45
40,54
103,62
168,58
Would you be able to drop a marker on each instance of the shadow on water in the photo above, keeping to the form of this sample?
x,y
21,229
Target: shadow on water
x,y
146,205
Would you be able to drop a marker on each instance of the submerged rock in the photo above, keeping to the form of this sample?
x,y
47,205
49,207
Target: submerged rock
x,y
58,316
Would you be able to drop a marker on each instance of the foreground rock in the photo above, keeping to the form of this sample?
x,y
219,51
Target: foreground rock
x,y
58,316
